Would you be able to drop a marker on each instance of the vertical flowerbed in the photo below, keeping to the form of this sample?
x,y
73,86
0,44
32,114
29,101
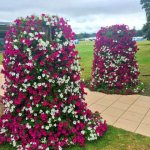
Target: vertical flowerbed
x,y
44,95
115,69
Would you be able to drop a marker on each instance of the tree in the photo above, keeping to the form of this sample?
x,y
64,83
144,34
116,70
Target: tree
x,y
1,46
84,35
146,28
138,32
146,5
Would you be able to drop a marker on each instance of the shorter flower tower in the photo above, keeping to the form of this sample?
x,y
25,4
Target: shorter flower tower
x,y
115,69
44,95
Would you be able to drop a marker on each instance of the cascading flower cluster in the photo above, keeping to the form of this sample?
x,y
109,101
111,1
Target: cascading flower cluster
x,y
44,95
115,69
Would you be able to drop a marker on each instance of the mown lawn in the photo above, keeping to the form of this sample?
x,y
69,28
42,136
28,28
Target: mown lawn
x,y
1,58
117,139
143,57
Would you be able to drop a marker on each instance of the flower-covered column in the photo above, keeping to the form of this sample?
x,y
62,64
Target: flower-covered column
x,y
115,69
44,95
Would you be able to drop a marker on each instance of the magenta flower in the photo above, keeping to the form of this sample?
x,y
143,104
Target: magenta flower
x,y
44,95
114,64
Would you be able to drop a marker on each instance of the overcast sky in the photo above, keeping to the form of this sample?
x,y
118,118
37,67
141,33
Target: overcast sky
x,y
83,15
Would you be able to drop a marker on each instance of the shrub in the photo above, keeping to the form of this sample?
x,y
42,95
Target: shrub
x,y
44,95
115,69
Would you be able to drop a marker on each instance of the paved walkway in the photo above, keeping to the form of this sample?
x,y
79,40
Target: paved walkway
x,y
130,112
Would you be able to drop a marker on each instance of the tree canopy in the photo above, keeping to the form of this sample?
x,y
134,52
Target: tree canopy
x,y
146,5
146,28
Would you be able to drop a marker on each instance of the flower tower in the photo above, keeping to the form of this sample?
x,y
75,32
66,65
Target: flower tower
x,y
44,95
115,69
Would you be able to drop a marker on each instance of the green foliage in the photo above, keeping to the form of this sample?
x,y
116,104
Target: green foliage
x,y
1,45
146,28
84,35
138,32
1,58
3,29
146,5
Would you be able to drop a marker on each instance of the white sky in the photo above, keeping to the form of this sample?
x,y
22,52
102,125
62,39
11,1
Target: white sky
x,y
83,15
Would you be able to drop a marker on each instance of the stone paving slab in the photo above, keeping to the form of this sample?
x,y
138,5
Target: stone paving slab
x,y
129,112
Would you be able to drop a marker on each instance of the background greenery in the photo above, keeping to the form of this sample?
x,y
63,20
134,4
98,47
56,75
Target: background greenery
x,y
1,58
146,28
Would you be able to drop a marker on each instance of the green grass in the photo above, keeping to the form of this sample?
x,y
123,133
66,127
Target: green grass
x,y
86,53
1,58
117,139
143,57
114,139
